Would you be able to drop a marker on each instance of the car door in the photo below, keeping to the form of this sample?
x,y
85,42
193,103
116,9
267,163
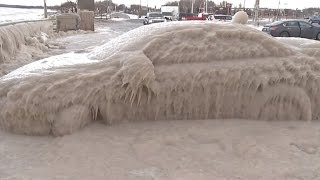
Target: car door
x,y
292,27
307,30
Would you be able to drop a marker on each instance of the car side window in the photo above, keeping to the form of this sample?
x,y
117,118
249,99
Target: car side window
x,y
305,25
290,24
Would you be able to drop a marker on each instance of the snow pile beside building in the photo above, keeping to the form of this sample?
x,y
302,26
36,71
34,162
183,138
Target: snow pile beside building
x,y
26,40
168,72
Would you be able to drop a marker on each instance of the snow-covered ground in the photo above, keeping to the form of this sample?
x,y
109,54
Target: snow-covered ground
x,y
168,150
8,15
60,43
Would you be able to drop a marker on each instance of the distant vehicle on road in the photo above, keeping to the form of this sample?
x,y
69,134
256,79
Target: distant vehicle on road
x,y
170,12
153,17
314,19
293,28
221,17
168,16
191,17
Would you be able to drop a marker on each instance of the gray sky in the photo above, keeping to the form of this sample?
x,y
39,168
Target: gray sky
x,y
249,3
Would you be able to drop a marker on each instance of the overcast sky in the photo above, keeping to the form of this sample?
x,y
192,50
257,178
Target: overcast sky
x,y
249,3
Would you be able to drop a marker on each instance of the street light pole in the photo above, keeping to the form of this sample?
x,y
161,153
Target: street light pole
x,y
45,9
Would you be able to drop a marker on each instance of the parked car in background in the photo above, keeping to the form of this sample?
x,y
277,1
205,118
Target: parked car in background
x,y
293,28
314,19
170,12
153,17
184,16
221,17
168,16
191,17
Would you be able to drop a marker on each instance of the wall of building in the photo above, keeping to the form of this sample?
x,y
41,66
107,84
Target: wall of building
x,y
86,5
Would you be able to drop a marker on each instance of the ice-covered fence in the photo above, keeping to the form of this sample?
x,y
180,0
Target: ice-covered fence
x,y
15,37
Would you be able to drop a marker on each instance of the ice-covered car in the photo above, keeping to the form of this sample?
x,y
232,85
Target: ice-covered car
x,y
173,71
154,17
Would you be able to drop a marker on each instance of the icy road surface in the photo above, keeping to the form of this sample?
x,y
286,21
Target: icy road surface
x,y
174,150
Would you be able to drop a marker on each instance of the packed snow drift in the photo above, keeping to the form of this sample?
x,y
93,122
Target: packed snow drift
x,y
25,40
168,71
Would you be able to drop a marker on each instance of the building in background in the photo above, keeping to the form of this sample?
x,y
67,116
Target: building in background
x,y
86,5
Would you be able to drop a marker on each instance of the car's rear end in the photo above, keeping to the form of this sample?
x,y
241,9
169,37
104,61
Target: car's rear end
x,y
186,16
273,29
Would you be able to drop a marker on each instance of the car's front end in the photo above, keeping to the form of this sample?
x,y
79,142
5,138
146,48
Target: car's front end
x,y
269,29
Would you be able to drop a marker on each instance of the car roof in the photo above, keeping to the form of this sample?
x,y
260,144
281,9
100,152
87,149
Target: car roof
x,y
290,20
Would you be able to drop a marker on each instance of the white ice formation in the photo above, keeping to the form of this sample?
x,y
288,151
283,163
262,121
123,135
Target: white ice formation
x,y
25,40
168,72
240,17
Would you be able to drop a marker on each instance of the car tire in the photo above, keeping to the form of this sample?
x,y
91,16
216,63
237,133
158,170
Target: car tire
x,y
318,36
284,34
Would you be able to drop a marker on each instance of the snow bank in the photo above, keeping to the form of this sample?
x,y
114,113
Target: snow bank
x,y
192,70
26,39
133,16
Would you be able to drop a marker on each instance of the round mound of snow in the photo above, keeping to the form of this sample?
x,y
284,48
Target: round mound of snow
x,y
168,71
240,17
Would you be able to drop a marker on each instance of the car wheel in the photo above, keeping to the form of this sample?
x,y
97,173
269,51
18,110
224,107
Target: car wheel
x,y
284,34
318,36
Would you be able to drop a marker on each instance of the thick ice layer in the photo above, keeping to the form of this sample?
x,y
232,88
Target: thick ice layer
x,y
306,46
167,72
25,39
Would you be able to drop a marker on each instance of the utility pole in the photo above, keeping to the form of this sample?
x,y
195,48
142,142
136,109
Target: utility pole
x,y
45,9
140,9
256,13
192,6
278,13
244,4
206,6
147,6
